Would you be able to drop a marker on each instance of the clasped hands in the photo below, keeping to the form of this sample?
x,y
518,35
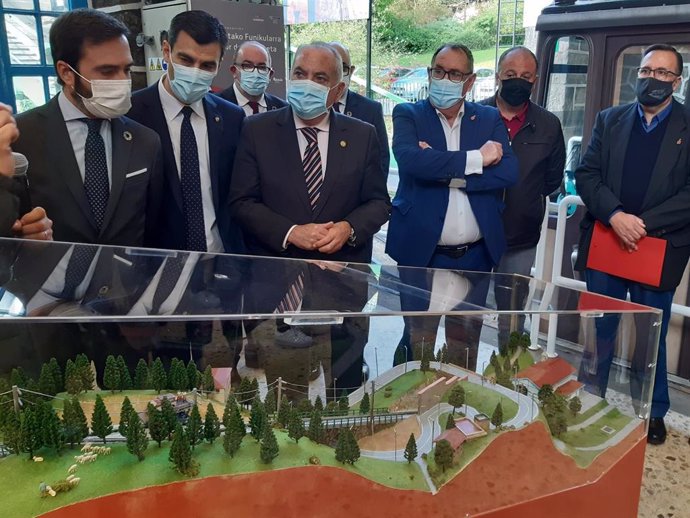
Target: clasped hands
x,y
327,238
629,229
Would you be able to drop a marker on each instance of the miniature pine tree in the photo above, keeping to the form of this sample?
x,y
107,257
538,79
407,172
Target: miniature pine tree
x,y
111,375
443,455
270,401
181,452
53,434
283,418
193,375
399,356
74,422
158,426
177,376
73,384
141,375
346,449
341,446
450,422
18,377
207,382
497,416
507,367
305,407
159,379
169,415
137,440
364,405
424,363
411,449
12,433
318,404
85,371
101,424
244,392
575,405
126,412
235,430
231,442
269,446
195,428
493,360
545,394
444,353
31,433
296,426
125,376
344,403
57,375
46,382
354,451
315,432
211,424
230,405
254,387
257,419
456,398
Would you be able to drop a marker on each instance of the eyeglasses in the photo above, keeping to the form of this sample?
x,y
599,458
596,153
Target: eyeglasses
x,y
250,67
347,70
453,75
657,73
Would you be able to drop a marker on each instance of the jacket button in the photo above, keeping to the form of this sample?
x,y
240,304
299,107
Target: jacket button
x,y
103,290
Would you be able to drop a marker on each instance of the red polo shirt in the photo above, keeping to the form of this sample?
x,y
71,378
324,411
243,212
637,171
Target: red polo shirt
x,y
513,125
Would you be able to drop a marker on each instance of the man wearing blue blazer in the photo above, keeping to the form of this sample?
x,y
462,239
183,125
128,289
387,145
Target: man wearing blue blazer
x,y
199,133
454,161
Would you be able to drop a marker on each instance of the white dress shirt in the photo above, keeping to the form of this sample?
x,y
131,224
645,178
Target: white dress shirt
x,y
172,109
460,225
243,102
343,101
78,131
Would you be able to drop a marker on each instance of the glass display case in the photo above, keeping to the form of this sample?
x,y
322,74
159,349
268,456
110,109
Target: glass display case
x,y
157,383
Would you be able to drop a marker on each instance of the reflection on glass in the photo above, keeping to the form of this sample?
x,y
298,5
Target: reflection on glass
x,y
53,86
46,22
18,4
53,5
22,39
29,92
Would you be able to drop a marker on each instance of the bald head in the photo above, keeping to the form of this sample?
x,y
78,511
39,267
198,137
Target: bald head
x,y
253,51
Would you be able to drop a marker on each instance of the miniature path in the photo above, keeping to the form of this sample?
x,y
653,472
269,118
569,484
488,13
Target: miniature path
x,y
622,434
592,419
385,439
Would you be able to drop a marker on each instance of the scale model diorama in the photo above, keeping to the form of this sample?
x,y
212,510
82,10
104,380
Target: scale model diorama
x,y
426,436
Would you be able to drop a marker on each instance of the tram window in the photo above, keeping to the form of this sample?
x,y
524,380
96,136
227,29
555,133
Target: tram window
x,y
626,74
566,91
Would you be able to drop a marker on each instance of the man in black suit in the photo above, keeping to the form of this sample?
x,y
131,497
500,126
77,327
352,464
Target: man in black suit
x,y
95,172
362,108
199,132
635,179
253,73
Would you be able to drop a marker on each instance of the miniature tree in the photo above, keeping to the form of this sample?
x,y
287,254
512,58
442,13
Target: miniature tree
x,y
18,377
181,453
270,403
295,427
46,381
424,364
73,380
318,404
235,430
111,375
316,431
254,386
493,361
53,435
444,353
211,424
31,433
193,375
101,423
195,428
558,424
230,405
450,422
126,412
137,440
159,379
346,449
283,418
364,405
545,393
85,371
158,426
507,367
170,416
12,433
456,398
497,416
305,407
399,356
177,376
257,419
411,449
443,455
244,392
209,385
344,403
575,406
125,376
141,375
269,446
74,422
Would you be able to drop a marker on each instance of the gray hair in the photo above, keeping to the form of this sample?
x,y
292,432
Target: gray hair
x,y
320,45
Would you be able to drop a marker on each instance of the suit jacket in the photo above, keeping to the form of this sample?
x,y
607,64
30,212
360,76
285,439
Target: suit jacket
x,y
370,111
269,194
224,122
273,102
55,182
665,211
420,205
9,207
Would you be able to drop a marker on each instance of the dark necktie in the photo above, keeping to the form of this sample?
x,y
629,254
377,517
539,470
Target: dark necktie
x,y
254,106
311,163
337,106
293,297
190,180
167,281
96,183
77,268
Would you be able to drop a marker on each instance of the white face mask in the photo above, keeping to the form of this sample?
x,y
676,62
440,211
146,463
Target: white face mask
x,y
110,98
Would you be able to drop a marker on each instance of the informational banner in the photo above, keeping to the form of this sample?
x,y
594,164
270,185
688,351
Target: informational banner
x,y
249,22
313,11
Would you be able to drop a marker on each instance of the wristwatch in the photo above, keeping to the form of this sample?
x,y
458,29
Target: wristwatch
x,y
351,240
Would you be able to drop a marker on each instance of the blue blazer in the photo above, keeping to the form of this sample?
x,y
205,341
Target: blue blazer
x,y
224,124
419,206
370,111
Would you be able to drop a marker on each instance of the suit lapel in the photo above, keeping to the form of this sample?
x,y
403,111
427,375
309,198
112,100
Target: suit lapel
x,y
334,167
437,138
619,146
214,128
351,105
122,140
468,128
160,126
287,140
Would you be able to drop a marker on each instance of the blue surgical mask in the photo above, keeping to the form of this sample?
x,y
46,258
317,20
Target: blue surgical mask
x,y
254,83
444,93
307,98
190,83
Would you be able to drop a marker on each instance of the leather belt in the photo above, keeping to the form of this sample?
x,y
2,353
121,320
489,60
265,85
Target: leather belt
x,y
456,251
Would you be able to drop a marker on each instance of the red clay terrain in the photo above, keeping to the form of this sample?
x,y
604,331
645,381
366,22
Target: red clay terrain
x,y
520,475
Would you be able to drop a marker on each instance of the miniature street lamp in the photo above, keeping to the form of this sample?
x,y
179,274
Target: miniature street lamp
x,y
376,357
395,444
406,357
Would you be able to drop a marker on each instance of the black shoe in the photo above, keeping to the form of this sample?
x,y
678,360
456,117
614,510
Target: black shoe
x,y
657,431
293,337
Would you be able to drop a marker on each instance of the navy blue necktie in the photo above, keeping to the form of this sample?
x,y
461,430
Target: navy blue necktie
x,y
166,283
311,162
190,180
77,268
96,183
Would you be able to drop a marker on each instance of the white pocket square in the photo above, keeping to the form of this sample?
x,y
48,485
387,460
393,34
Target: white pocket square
x,y
136,173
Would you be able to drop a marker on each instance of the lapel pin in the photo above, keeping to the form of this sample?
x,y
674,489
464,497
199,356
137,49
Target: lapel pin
x,y
679,141
127,136
473,117
349,114
343,143
216,118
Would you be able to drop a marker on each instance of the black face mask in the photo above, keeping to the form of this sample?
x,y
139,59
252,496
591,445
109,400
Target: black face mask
x,y
652,92
515,91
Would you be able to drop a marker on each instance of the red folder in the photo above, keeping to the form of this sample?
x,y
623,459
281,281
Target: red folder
x,y
644,265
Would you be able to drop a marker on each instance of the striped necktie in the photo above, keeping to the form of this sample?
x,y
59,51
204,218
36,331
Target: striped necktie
x,y
311,163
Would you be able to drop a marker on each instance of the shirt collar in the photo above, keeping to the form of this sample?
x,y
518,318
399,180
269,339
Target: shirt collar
x,y
324,125
69,111
172,107
520,116
457,119
343,98
243,101
659,117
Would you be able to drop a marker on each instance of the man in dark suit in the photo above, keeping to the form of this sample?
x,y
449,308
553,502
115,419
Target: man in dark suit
x,y
454,160
253,73
199,133
362,108
95,172
635,179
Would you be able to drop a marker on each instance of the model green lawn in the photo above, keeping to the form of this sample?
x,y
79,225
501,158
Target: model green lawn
x,y
593,435
121,471
401,386
484,399
470,451
524,360
583,416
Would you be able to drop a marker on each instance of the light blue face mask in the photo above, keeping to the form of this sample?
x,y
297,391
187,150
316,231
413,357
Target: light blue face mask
x,y
190,83
254,83
307,98
444,93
